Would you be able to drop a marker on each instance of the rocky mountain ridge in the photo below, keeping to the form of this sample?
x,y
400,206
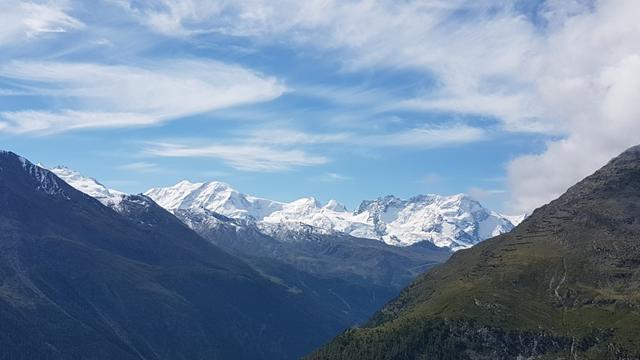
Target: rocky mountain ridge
x,y
456,221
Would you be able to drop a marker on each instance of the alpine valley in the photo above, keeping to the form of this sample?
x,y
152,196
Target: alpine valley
x,y
200,270
346,265
372,253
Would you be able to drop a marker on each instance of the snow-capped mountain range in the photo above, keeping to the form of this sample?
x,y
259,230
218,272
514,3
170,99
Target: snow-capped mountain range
x,y
455,221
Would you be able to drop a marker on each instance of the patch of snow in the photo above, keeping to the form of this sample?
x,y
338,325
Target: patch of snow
x,y
45,180
516,219
88,185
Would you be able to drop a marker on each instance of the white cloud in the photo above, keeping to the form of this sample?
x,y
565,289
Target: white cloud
x,y
101,96
425,137
46,122
291,137
241,156
334,177
432,179
141,167
483,194
239,18
422,137
20,20
282,149
577,77
476,58
588,79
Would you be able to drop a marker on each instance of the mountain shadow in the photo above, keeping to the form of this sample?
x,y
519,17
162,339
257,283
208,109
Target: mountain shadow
x,y
79,280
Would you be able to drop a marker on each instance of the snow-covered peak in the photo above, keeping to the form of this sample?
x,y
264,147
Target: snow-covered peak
x,y
173,197
302,206
87,185
214,196
455,221
517,219
334,205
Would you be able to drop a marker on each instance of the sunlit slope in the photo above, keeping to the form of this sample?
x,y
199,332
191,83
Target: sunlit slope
x,y
564,283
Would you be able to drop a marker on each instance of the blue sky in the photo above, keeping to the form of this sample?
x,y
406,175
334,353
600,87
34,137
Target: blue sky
x,y
337,99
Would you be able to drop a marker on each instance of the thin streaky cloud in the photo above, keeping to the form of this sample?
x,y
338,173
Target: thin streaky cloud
x,y
285,136
482,194
427,137
109,96
333,177
432,179
282,149
26,20
417,137
141,167
256,158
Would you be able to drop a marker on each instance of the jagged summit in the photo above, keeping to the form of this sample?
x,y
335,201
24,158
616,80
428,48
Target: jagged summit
x,y
13,166
335,206
455,221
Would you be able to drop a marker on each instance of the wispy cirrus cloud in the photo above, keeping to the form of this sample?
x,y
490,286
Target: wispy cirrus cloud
x,y
283,136
89,95
243,157
332,177
431,136
141,167
482,194
284,149
23,20
426,137
432,179
49,122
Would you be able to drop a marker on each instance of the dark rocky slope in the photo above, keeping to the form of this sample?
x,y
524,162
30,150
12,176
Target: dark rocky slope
x,y
80,281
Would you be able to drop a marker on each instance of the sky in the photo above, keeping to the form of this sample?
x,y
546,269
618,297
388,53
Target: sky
x,y
511,102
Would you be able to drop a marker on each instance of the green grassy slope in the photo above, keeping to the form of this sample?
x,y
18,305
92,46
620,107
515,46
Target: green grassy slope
x,y
564,284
